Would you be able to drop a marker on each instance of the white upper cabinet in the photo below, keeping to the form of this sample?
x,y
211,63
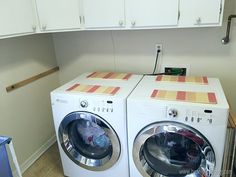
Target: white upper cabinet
x,y
55,15
200,13
17,17
103,13
152,13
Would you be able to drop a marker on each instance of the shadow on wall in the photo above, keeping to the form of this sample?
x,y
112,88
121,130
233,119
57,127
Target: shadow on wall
x,y
18,51
26,111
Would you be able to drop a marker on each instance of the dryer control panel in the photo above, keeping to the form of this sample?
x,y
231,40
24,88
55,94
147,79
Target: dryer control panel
x,y
196,115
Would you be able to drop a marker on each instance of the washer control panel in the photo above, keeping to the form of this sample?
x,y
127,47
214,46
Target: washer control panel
x,y
205,116
198,116
100,106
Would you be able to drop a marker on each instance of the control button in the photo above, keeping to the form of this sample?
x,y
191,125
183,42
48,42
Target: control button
x,y
98,109
198,119
107,110
94,109
103,109
111,109
84,104
210,121
173,113
192,119
186,118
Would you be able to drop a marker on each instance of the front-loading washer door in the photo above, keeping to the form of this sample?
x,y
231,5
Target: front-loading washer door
x,y
89,141
169,149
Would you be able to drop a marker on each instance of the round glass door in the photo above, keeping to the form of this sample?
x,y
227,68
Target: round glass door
x,y
89,141
173,150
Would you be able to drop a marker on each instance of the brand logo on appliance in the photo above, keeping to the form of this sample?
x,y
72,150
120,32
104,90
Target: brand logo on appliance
x,y
61,101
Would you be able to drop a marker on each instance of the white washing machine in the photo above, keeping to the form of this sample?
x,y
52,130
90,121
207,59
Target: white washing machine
x,y
176,129
90,122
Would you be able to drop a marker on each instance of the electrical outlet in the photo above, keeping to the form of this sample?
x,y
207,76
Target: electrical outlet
x,y
159,47
158,58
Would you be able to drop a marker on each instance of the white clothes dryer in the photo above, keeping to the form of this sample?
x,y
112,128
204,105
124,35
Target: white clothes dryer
x,y
176,127
90,122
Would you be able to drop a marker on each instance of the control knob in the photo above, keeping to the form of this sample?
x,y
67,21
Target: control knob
x,y
172,113
84,104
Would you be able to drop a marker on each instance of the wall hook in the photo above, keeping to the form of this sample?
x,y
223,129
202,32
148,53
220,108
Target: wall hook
x,y
225,40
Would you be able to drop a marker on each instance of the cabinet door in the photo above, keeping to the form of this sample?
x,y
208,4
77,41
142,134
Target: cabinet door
x,y
17,17
103,13
152,13
58,14
199,12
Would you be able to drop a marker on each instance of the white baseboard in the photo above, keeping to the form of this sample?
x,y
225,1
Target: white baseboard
x,y
25,165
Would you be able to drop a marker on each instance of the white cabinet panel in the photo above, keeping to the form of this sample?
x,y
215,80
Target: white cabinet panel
x,y
58,14
17,17
199,12
103,13
152,13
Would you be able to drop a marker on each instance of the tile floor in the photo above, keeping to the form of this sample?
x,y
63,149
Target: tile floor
x,y
48,165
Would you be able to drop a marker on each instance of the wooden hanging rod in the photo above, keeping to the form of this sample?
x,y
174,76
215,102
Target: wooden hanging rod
x,y
31,79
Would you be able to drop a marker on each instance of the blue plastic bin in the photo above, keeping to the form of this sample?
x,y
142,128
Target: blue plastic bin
x,y
5,168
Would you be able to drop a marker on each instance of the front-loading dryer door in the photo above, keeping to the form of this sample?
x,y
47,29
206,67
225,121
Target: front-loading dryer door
x,y
89,141
173,150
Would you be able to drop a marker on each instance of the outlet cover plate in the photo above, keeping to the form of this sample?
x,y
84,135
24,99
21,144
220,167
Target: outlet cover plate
x,y
159,47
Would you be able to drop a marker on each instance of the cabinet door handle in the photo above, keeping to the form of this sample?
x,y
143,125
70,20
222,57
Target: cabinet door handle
x,y
44,26
199,20
84,19
34,28
133,23
121,22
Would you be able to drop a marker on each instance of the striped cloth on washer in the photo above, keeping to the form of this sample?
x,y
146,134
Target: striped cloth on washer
x,y
94,89
194,97
183,79
110,75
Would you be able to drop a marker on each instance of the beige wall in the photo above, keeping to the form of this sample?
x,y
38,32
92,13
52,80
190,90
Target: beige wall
x,y
134,51
25,114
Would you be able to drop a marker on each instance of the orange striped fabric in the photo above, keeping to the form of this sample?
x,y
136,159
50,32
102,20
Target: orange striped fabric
x,y
110,75
194,97
94,89
183,79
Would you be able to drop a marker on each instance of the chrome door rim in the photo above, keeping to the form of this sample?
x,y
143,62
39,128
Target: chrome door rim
x,y
161,127
81,160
